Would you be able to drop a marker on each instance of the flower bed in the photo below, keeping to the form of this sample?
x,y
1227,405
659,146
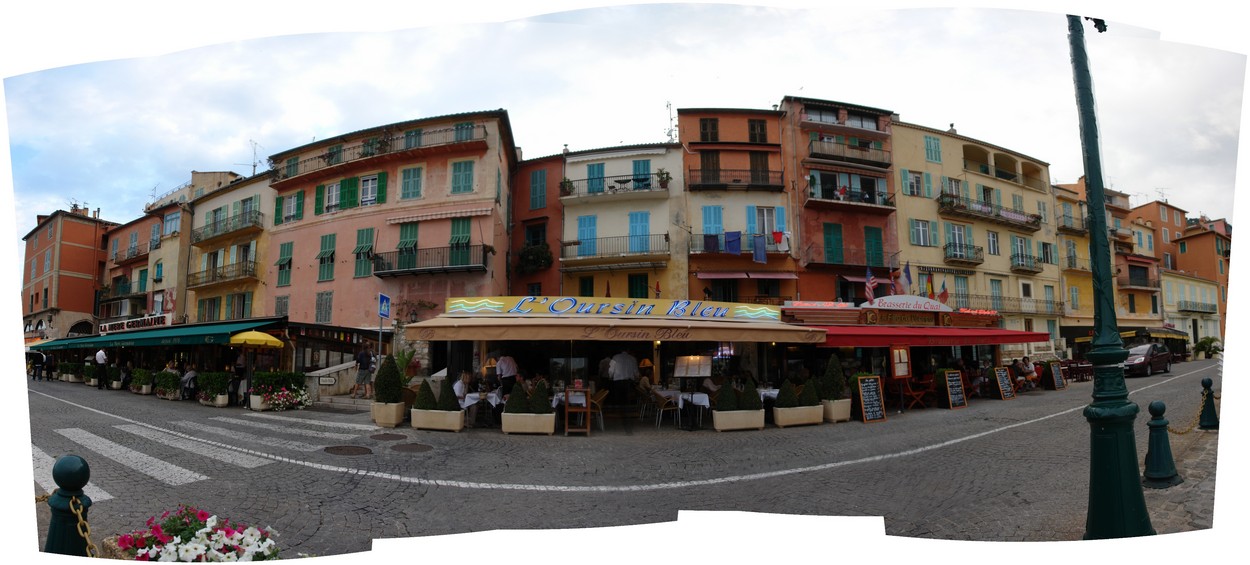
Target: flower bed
x,y
189,534
280,390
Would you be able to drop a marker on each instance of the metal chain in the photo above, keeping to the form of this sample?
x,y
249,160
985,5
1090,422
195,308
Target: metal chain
x,y
84,529
44,497
1194,422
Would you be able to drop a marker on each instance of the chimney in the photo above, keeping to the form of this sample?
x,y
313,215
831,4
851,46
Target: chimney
x,y
566,149
952,130
96,214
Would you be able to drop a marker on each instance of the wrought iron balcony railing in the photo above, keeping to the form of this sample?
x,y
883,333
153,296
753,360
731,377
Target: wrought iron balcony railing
x,y
1071,224
1005,304
856,256
702,243
252,219
617,246
431,260
853,196
132,253
390,143
224,273
967,207
1074,263
847,152
959,253
618,184
122,290
725,178
1022,263
1137,282
1191,306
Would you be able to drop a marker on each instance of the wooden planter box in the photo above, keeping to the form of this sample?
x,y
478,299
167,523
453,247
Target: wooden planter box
x,y
529,423
256,403
452,421
388,414
737,420
798,416
837,410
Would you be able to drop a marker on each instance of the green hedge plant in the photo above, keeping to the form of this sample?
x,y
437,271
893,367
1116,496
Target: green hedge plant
x,y
809,396
726,398
518,402
211,384
114,373
425,397
786,396
165,383
140,377
447,400
540,401
387,386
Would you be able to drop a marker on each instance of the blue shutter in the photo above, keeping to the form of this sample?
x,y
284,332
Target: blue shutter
x,y
713,220
639,232
928,185
586,234
594,177
229,306
781,218
913,231
750,219
642,174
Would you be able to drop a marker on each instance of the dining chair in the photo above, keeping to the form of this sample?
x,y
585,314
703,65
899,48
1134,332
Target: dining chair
x,y
645,399
917,390
596,405
664,404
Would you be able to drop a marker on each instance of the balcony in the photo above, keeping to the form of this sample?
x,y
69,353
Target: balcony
x,y
748,179
763,299
851,256
1138,283
621,187
617,246
133,254
1021,263
246,222
1003,174
958,254
701,243
845,152
854,200
122,290
432,260
958,206
1191,306
223,274
425,142
827,123
1120,233
1005,304
1074,263
1071,225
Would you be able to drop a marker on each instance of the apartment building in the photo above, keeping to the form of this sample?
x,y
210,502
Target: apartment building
x,y
62,267
228,244
1075,267
537,232
1204,251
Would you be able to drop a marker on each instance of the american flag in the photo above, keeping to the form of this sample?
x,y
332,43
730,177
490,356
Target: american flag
x,y
870,283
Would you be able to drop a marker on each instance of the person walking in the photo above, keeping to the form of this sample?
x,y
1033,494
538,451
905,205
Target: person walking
x,y
506,369
624,371
37,360
364,371
101,368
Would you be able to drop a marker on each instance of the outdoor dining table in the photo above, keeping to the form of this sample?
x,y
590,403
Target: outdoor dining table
x,y
493,397
576,399
697,398
767,393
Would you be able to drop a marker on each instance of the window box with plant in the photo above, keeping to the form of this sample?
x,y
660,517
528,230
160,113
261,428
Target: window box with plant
x,y
738,410
443,413
141,382
166,385
213,387
566,187
831,387
388,404
528,414
533,257
277,390
795,408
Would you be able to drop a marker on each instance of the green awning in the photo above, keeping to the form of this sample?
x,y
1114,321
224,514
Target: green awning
x,y
406,244
459,239
283,261
63,343
325,253
362,248
195,334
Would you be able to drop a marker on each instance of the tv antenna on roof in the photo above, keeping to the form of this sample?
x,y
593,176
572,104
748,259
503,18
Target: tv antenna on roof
x,y
1163,194
255,160
671,132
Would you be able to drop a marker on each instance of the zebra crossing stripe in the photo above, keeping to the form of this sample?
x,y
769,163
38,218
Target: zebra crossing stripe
x,y
43,475
285,429
343,425
199,448
167,473
236,435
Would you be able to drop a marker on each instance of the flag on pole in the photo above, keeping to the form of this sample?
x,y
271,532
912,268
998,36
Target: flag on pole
x,y
942,296
907,275
608,293
870,283
897,284
929,286
657,288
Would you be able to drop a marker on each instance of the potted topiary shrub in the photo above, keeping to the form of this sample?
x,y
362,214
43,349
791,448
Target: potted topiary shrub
x,y
212,388
114,377
1208,346
831,387
443,413
141,382
166,385
738,410
89,374
528,414
72,372
388,404
663,177
789,410
566,187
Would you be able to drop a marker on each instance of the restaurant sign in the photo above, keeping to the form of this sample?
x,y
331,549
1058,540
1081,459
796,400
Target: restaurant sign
x,y
906,302
155,321
591,307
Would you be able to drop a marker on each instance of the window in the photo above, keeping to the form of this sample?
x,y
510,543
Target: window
x,y
1221,262
1182,247
33,270
765,220
1041,211
208,309
412,138
331,198
759,167
238,306
932,149
1167,261
922,233
821,115
292,166
369,190
991,242
464,131
462,177
47,261
535,234
594,178
324,307
638,286
364,252
642,174
285,252
289,207
45,297
1052,328
334,155
1163,213
586,286
159,273
1048,253
996,294
143,280
534,289
538,189
112,250
757,131
1165,236
863,121
914,184
1074,298
709,129
1017,202
1026,289
407,246
640,232
50,232
1132,303
282,305
951,185
1176,217
325,258
158,302
1150,241
1154,304
410,184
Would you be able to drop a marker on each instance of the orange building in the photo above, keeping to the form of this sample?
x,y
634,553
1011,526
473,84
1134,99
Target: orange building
x,y
62,269
1204,252
840,156
127,276
537,215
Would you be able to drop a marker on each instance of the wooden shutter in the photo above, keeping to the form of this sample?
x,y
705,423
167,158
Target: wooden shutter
x,y
319,200
382,188
277,211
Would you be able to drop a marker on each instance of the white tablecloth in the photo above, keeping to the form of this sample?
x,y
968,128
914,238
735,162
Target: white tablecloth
x,y
767,393
700,398
493,397
577,399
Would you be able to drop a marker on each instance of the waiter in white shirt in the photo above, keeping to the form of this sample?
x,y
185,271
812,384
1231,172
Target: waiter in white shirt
x,y
624,371
506,369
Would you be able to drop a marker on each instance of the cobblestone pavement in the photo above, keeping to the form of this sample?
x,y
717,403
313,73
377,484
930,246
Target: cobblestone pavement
x,y
994,471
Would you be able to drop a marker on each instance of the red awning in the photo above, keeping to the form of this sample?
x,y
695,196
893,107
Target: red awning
x,y
771,275
854,278
885,336
703,275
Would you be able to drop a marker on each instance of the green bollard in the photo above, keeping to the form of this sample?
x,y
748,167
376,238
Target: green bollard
x,y
1160,467
70,473
1208,420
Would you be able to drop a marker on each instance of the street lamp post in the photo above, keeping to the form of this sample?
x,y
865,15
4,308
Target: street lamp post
x,y
1117,506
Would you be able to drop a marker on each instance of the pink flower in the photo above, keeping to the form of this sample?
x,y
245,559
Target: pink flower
x,y
124,542
202,516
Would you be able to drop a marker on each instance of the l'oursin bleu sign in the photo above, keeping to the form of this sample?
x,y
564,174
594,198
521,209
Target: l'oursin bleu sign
x,y
586,307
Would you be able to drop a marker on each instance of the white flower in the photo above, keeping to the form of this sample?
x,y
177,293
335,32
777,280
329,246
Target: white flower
x,y
190,551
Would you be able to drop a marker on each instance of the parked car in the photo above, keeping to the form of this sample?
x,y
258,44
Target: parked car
x,y
1146,358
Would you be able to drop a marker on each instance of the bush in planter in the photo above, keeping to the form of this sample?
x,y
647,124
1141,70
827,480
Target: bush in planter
x,y
387,385
749,399
518,402
809,396
140,378
447,400
114,373
540,401
165,383
425,398
786,396
726,398
832,384
212,384
88,371
1209,345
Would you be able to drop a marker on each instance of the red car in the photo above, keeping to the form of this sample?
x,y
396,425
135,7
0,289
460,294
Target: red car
x,y
1146,358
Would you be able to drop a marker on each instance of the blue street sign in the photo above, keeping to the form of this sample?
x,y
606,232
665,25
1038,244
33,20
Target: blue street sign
x,y
384,306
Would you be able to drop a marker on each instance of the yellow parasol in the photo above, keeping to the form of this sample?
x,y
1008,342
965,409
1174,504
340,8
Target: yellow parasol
x,y
253,338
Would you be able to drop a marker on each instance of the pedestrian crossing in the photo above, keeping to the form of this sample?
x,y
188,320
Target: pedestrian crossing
x,y
135,446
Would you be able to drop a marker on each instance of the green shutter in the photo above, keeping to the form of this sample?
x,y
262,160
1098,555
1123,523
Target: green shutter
x,y
382,187
299,205
912,233
928,186
235,209
247,304
349,193
963,189
968,236
319,201
906,186
229,304
998,197
833,243
277,211
199,310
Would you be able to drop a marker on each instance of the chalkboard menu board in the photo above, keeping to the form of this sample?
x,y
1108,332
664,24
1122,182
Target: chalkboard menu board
x,y
1056,377
870,406
1006,390
955,390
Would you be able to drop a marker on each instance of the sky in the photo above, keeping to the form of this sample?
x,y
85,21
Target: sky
x,y
110,104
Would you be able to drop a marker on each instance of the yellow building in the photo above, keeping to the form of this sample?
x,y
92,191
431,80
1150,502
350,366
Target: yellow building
x,y
1075,267
229,246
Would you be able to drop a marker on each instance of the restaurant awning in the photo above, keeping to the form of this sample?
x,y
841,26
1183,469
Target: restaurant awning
x,y
771,275
1160,333
853,278
885,336
195,334
450,328
730,275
